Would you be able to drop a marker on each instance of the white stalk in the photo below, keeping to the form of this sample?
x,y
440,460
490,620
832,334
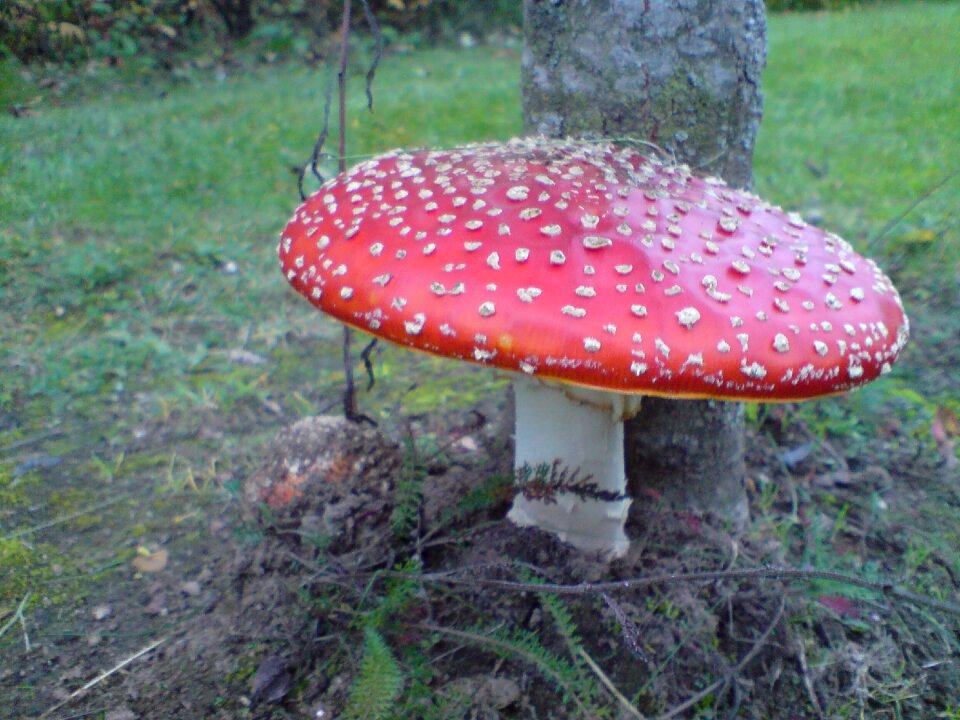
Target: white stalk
x,y
583,430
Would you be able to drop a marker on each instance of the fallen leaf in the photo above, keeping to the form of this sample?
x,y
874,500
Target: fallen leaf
x,y
272,680
795,456
842,606
693,523
121,713
487,692
150,562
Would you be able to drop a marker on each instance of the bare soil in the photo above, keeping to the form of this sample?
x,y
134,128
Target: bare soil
x,y
261,613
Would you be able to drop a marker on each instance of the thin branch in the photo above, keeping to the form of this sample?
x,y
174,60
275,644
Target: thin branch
x,y
740,666
608,684
313,164
808,681
342,87
18,615
628,629
35,440
349,391
898,218
65,518
886,589
378,54
368,363
103,676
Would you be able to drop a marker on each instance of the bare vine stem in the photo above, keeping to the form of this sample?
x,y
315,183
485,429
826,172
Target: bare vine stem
x,y
378,53
312,165
898,218
350,390
886,589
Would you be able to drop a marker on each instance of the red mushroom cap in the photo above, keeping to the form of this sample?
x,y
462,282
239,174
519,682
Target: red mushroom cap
x,y
595,265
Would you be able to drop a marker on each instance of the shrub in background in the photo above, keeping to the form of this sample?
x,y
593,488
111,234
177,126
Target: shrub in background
x,y
75,30
785,5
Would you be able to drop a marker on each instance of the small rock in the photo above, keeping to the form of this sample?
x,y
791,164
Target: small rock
x,y
837,478
190,587
468,443
157,605
239,356
490,692
272,680
121,713
102,612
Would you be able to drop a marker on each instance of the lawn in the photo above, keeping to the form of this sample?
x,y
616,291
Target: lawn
x,y
149,345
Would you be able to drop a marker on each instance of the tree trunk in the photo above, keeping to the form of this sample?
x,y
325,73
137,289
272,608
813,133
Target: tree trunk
x,y
237,16
685,75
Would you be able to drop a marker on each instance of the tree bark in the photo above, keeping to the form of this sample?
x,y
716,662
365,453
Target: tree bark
x,y
685,75
237,16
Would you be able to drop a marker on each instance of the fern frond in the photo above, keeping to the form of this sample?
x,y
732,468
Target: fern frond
x,y
559,610
378,684
405,517
575,685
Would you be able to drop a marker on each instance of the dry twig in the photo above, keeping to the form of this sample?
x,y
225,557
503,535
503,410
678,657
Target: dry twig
x,y
731,677
18,615
103,676
608,684
772,572
808,681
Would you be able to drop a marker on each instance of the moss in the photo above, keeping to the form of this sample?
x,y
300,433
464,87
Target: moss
x,y
13,487
243,672
688,115
27,568
67,502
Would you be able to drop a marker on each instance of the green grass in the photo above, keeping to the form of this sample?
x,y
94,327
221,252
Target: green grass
x,y
122,217
870,100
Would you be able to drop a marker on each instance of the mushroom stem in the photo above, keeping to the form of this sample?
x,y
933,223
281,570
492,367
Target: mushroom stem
x,y
573,430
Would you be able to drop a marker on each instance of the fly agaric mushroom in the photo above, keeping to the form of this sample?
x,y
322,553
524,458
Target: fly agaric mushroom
x,y
599,275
